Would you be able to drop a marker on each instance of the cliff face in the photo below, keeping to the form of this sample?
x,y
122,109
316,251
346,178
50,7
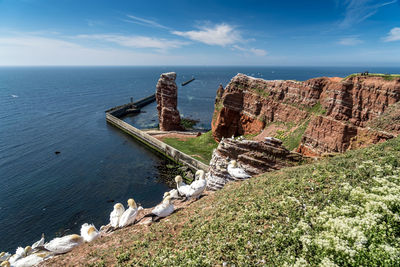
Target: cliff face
x,y
255,157
324,114
167,101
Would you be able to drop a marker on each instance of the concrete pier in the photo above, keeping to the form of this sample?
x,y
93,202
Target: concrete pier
x,y
133,107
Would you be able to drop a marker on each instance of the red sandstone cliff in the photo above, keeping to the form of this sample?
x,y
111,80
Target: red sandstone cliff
x,y
167,102
329,114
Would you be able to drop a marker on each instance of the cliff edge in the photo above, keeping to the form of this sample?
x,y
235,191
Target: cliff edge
x,y
317,116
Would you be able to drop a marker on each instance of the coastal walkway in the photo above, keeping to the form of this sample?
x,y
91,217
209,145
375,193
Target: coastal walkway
x,y
113,116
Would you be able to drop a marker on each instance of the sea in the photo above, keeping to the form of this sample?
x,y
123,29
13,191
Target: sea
x,y
49,109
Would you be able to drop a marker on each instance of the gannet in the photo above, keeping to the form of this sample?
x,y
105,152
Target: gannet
x,y
237,172
198,186
173,193
183,189
64,244
163,209
32,259
4,256
20,253
5,264
129,216
39,243
116,214
89,232
198,174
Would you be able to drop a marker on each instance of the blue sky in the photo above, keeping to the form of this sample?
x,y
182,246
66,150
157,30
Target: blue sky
x,y
278,33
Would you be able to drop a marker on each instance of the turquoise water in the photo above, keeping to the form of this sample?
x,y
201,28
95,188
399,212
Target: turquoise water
x,y
43,110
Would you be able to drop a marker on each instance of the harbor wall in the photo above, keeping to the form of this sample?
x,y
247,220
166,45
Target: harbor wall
x,y
156,144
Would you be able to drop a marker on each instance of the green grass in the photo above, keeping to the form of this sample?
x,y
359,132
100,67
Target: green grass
x,y
260,91
199,147
387,77
343,210
188,123
291,140
317,109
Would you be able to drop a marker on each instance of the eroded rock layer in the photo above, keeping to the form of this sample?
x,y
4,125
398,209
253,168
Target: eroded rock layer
x,y
167,102
337,112
255,157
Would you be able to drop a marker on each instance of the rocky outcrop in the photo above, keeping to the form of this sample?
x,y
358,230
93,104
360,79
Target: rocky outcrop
x,y
255,157
167,102
336,111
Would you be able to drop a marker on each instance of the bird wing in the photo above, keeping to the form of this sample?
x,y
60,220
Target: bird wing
x,y
61,245
28,261
198,188
5,256
184,189
174,193
237,172
38,243
163,210
114,218
128,217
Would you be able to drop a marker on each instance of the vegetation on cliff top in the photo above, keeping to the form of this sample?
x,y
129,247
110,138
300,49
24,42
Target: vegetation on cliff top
x,y
339,211
387,77
200,147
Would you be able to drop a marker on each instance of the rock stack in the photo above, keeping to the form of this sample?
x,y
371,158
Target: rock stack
x,y
167,102
254,157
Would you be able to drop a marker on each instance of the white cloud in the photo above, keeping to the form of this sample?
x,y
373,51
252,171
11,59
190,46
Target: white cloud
x,y
350,41
221,34
145,22
44,51
258,52
393,35
254,51
359,10
135,41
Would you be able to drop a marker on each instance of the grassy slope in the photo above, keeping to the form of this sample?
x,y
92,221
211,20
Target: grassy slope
x,y
282,218
199,147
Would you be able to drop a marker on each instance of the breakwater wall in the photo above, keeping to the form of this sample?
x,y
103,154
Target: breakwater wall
x,y
157,145
133,107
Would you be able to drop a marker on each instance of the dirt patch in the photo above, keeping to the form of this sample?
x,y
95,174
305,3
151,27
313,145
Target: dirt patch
x,y
335,79
179,136
270,130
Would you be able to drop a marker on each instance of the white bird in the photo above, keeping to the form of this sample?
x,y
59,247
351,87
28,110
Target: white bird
x,y
38,243
116,214
32,259
163,209
182,188
20,253
129,216
4,256
198,174
237,172
64,244
172,193
198,186
89,232
5,264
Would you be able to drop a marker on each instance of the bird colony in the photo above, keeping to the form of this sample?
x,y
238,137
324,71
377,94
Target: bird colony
x,y
119,218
